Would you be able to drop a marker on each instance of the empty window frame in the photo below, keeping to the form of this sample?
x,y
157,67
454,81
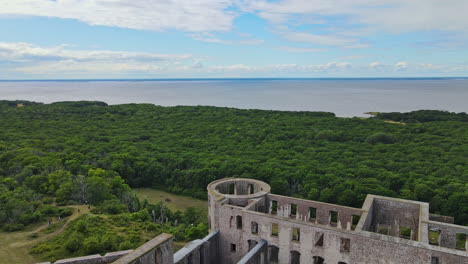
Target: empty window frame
x,y
251,244
274,206
250,188
293,210
318,260
435,260
461,241
239,222
233,248
333,218
274,229
296,234
345,245
383,229
434,236
405,232
232,188
319,239
295,257
273,253
254,227
312,214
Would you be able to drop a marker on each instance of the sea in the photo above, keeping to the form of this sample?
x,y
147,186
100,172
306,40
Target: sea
x,y
346,97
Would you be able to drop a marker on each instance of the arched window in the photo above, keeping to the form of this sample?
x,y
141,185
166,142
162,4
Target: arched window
x,y
239,222
273,252
295,257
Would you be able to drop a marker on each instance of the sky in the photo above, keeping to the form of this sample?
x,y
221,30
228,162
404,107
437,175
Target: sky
x,y
105,39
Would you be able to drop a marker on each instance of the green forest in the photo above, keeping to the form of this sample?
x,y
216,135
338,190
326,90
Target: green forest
x,y
77,152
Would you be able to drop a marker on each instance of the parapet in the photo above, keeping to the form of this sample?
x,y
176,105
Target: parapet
x,y
238,188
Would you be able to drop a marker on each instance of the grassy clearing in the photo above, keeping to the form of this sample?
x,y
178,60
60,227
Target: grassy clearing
x,y
15,246
175,202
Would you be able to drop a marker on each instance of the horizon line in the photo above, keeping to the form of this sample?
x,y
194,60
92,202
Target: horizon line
x,y
232,78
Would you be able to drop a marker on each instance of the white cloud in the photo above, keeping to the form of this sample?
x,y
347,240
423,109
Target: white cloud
x,y
32,60
21,51
350,21
389,15
155,15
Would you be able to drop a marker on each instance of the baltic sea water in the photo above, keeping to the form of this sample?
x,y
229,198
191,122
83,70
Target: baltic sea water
x,y
344,97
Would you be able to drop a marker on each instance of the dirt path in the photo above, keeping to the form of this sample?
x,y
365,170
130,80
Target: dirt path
x,y
15,246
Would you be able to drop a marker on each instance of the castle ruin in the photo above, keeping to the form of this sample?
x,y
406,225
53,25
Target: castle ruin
x,y
250,225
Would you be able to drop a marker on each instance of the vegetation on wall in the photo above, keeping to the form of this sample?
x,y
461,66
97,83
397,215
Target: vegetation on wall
x,y
90,151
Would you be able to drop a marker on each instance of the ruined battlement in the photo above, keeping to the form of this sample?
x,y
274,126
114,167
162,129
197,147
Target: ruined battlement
x,y
249,225
384,230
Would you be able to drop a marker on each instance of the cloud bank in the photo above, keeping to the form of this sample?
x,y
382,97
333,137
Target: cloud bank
x,y
183,15
33,60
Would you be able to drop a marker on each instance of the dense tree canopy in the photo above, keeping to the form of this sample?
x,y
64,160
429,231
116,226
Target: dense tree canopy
x,y
91,151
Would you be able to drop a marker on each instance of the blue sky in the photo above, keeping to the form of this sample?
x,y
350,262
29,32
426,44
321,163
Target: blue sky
x,y
60,39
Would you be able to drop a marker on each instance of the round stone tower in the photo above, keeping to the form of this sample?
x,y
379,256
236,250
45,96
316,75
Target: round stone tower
x,y
235,191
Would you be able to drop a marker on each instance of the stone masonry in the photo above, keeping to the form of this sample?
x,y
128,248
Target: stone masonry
x,y
249,225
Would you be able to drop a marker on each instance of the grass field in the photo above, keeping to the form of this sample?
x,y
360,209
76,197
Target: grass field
x,y
15,246
173,201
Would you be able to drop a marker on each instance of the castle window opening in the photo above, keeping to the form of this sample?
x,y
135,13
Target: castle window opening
x,y
434,236
296,234
251,243
273,252
333,218
295,257
405,232
274,229
250,188
232,188
461,243
274,206
312,214
233,248
254,227
319,239
345,245
239,222
318,260
293,211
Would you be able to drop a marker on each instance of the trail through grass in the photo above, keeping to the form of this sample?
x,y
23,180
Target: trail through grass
x,y
15,246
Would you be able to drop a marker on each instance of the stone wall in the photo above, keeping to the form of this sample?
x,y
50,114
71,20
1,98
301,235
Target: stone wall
x,y
200,251
156,251
300,239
